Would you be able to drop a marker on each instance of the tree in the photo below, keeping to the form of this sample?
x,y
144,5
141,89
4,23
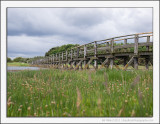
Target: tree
x,y
60,49
18,59
9,59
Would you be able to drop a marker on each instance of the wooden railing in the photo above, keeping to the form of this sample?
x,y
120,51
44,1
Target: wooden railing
x,y
120,44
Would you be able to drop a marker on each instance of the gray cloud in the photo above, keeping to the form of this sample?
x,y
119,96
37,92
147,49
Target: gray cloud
x,y
33,31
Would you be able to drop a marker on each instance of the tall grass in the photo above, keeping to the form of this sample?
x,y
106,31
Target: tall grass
x,y
109,93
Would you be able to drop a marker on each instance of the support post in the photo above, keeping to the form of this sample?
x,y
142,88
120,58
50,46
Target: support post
x,y
111,63
62,56
125,43
66,55
95,55
148,40
147,62
107,45
124,61
77,52
85,54
112,51
136,52
71,54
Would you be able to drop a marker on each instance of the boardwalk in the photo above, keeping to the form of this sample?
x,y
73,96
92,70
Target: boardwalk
x,y
103,53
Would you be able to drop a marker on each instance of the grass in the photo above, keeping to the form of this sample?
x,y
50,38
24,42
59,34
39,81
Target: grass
x,y
62,93
17,64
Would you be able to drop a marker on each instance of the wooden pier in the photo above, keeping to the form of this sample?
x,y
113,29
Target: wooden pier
x,y
103,53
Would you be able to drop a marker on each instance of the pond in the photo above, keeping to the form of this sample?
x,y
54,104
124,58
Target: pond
x,y
19,68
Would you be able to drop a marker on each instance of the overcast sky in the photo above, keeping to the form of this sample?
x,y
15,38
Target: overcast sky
x,y
33,31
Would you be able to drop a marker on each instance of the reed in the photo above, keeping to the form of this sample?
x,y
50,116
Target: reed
x,y
59,93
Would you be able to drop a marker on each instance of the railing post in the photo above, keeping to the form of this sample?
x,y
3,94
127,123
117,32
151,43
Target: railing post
x,y
136,52
107,45
53,58
77,52
62,56
56,57
85,54
95,55
125,43
148,40
112,50
66,55
71,54
59,57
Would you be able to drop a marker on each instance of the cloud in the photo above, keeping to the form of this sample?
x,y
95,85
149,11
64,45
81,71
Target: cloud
x,y
33,31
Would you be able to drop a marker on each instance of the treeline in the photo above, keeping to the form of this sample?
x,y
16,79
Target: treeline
x,y
24,60
60,49
48,53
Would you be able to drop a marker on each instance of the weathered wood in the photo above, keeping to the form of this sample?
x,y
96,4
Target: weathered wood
x,y
77,52
148,40
87,65
102,65
71,53
98,51
77,66
95,54
112,45
125,43
130,61
136,63
136,45
66,55
147,62
62,56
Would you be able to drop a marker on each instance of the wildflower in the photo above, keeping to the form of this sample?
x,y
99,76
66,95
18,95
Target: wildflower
x,y
46,106
126,101
133,113
53,102
35,114
147,88
21,106
19,110
113,109
29,108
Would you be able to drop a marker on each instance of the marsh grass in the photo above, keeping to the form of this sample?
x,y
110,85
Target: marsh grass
x,y
62,93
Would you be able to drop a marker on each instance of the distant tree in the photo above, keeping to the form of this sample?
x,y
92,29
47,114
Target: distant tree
x,y
18,59
9,59
60,49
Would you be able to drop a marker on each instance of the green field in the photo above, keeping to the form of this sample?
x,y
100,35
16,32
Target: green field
x,y
17,64
87,93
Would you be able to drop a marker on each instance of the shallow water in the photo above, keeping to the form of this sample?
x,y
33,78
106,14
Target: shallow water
x,y
18,68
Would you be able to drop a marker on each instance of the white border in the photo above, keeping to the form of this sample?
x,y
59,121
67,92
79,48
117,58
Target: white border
x,y
154,4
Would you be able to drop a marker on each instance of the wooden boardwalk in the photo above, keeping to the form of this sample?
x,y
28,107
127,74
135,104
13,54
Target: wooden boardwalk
x,y
103,53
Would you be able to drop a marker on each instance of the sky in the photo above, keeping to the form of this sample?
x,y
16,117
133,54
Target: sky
x,y
33,31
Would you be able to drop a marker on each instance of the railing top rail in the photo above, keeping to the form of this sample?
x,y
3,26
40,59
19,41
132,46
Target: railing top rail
x,y
106,40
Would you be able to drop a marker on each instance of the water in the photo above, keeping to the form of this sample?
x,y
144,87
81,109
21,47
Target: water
x,y
18,68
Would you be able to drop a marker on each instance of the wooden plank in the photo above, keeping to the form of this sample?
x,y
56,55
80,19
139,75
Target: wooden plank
x,y
130,61
146,44
77,66
87,65
102,65
72,64
124,46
